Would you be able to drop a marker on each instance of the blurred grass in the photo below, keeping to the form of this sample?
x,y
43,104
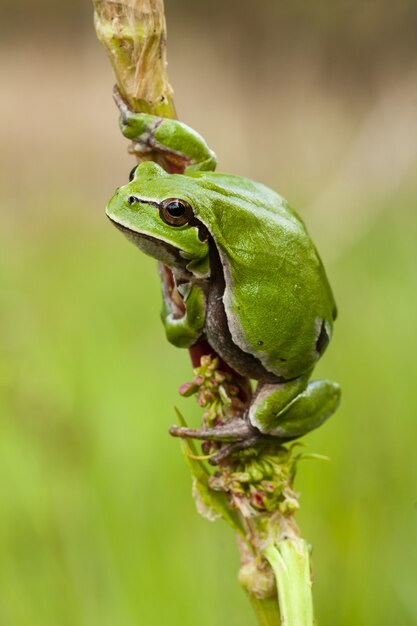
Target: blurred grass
x,y
97,525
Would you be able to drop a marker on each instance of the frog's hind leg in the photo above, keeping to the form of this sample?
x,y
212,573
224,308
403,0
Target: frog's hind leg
x,y
282,411
301,413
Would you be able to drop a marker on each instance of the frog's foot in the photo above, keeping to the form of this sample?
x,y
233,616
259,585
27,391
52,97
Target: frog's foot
x,y
235,431
231,448
125,111
181,147
236,435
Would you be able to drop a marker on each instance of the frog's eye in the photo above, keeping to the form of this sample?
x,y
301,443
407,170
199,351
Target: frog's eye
x,y
175,212
132,173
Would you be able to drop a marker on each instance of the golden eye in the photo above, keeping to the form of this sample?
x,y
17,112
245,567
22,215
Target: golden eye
x,y
175,212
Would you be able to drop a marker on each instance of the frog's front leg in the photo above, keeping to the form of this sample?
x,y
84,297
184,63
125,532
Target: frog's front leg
x,y
182,147
183,309
294,408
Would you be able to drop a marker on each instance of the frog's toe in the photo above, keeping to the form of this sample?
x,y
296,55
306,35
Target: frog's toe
x,y
236,430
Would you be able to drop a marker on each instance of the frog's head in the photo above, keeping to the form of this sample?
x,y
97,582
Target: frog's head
x,y
155,212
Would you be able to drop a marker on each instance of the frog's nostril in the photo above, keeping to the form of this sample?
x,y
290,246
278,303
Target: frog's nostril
x,y
132,199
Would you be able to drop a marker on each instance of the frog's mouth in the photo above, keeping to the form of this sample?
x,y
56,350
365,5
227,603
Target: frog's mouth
x,y
156,248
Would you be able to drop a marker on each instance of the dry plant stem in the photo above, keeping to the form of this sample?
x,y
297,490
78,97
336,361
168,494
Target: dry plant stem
x,y
133,33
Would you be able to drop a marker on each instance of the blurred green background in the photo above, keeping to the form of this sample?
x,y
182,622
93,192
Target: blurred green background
x,y
97,524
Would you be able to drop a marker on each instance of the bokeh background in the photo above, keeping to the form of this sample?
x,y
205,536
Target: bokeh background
x,y
97,524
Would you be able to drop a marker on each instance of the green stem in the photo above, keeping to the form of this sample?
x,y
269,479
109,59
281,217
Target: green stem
x,y
290,561
266,610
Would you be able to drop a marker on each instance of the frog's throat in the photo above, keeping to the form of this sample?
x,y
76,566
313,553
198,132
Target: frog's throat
x,y
155,248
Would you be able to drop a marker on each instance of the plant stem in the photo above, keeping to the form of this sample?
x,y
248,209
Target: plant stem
x,y
266,611
133,33
290,561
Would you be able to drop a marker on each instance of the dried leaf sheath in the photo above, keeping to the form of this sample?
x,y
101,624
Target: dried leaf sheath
x,y
133,33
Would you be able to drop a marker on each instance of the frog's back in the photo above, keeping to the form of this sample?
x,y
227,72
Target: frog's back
x,y
277,298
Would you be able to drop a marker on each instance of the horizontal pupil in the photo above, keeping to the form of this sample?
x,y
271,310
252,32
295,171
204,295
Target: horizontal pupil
x,y
176,209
